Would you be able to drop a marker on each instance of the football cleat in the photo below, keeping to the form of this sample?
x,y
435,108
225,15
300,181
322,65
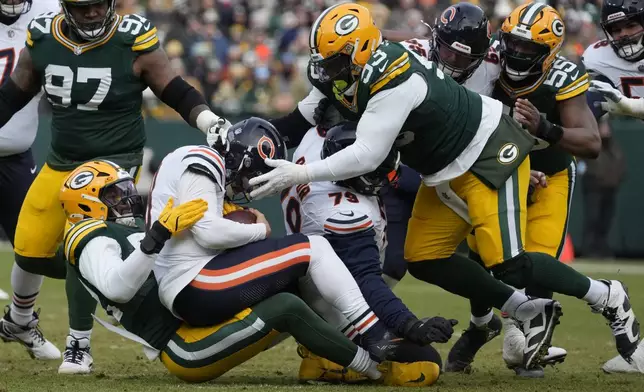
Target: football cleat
x,y
514,343
621,319
414,374
538,330
315,369
462,354
635,364
77,358
29,336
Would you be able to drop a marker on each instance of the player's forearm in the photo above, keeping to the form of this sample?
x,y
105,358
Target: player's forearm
x,y
189,103
581,142
12,100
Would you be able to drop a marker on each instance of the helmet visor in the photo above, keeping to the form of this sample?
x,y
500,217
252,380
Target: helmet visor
x,y
122,199
522,54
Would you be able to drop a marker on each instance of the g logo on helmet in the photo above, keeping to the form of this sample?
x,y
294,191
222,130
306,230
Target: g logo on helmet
x,y
558,27
346,24
266,147
508,153
81,180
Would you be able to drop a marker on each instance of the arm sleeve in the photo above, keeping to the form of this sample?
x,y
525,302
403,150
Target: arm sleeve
x,y
213,231
377,130
101,265
307,105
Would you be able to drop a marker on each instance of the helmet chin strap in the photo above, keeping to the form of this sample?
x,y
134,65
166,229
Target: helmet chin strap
x,y
516,75
632,51
454,73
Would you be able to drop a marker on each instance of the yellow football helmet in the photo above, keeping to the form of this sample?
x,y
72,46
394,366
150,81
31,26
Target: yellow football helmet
x,y
531,37
100,190
342,40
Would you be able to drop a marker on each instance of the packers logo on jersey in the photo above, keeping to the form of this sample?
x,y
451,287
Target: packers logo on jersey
x,y
81,180
508,153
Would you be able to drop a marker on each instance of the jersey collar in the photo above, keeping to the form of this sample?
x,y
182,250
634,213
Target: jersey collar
x,y
79,48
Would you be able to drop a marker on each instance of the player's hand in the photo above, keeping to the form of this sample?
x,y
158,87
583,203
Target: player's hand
x,y
261,219
616,102
284,175
527,115
217,134
538,179
429,330
326,115
183,216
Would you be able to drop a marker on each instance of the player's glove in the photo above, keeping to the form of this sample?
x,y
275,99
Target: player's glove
x,y
326,115
171,221
215,128
616,102
429,330
284,175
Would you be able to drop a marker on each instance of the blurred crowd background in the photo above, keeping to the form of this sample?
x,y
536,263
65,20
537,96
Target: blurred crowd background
x,y
249,56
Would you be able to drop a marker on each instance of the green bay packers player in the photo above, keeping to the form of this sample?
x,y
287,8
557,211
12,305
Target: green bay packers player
x,y
460,142
93,65
109,253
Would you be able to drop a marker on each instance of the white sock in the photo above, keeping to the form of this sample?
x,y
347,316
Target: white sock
x,y
363,364
26,287
80,334
512,304
336,285
597,292
483,320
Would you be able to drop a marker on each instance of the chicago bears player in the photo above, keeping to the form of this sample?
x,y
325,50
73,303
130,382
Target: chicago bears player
x,y
17,171
219,266
111,255
93,65
616,62
350,215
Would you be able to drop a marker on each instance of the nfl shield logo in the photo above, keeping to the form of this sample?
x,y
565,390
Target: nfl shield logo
x,y
77,51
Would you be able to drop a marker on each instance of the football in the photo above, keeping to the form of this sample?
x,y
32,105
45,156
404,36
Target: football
x,y
241,216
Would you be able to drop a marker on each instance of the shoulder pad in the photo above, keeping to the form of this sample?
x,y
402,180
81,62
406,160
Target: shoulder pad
x,y
39,27
569,79
207,161
139,33
78,235
347,222
389,62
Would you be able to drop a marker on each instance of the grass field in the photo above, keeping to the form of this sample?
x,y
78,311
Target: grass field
x,y
121,366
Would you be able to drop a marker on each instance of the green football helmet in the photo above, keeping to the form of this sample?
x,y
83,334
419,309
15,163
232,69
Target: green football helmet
x,y
89,31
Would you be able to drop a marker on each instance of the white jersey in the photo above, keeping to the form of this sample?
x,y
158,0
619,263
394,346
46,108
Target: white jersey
x,y
484,77
19,133
321,208
600,59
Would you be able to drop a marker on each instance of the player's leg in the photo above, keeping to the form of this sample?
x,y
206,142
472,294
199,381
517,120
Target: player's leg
x,y
435,231
20,321
398,207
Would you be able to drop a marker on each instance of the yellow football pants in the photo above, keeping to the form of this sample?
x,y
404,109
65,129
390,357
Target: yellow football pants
x,y
203,354
548,214
498,218
41,222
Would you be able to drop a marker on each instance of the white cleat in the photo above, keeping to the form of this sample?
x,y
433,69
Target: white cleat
x,y
3,295
77,358
514,342
620,365
29,336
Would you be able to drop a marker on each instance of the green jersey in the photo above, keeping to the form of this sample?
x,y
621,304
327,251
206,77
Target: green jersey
x,y
436,132
565,80
95,96
143,315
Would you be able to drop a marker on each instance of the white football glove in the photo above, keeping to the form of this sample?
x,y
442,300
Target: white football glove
x,y
616,102
215,128
284,175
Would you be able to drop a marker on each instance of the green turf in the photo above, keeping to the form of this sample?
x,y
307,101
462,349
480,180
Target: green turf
x,y
121,366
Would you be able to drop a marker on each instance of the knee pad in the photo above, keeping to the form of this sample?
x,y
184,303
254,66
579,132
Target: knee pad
x,y
517,272
55,267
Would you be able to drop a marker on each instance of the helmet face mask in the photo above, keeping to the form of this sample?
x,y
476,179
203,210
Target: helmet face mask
x,y
89,30
14,8
249,143
522,57
461,40
341,136
625,34
122,201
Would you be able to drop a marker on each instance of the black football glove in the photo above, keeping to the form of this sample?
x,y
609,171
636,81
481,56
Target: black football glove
x,y
429,330
326,115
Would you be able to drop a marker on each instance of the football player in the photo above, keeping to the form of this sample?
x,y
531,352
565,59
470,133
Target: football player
x,y
111,254
350,215
17,171
221,266
616,67
459,141
93,65
615,63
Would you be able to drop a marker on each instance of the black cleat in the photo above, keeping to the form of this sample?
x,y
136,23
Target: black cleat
x,y
462,354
